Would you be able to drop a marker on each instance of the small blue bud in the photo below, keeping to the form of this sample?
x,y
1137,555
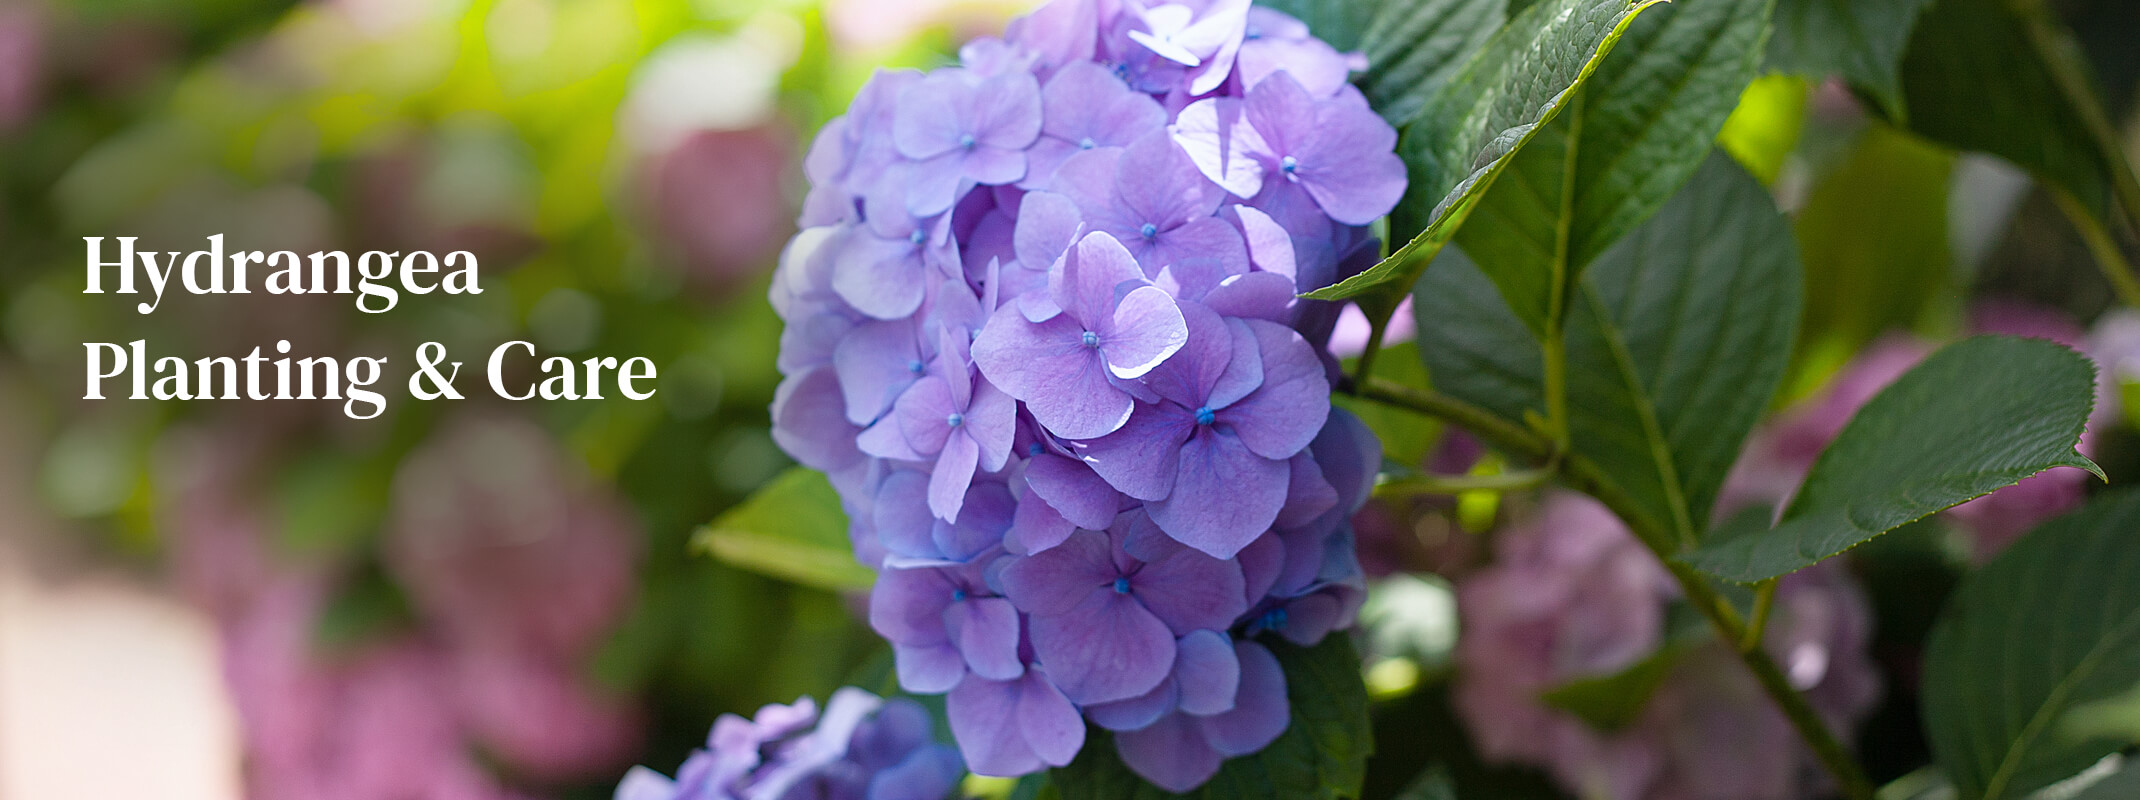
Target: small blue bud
x,y
1149,230
1273,619
1034,449
915,366
1205,416
1087,143
1092,339
966,142
1121,586
918,236
955,419
958,595
1288,166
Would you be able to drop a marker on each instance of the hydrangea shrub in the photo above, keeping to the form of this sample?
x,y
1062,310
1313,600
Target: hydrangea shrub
x,y
1043,335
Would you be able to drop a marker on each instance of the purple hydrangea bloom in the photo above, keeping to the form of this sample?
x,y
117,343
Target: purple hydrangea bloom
x,y
861,748
1050,353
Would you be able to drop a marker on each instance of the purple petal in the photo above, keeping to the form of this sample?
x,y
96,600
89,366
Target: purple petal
x,y
1188,376
886,440
1139,459
902,517
1218,139
1208,671
1085,281
1107,648
1055,581
1270,248
1189,590
1051,725
1256,295
1224,494
1172,753
1074,490
880,277
1047,224
1320,68
923,413
1349,454
986,632
1038,527
983,518
992,166
1307,495
933,114
1200,254
928,669
1006,111
810,421
1284,414
906,606
930,773
1159,185
876,362
1348,164
1145,330
992,421
1283,114
1045,364
1261,562
1259,712
930,187
1086,101
1139,711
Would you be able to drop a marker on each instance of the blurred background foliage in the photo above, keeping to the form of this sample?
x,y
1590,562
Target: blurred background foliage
x,y
627,171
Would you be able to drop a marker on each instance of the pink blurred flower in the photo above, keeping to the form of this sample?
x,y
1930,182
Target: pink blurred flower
x,y
1573,595
1349,338
503,542
21,63
719,198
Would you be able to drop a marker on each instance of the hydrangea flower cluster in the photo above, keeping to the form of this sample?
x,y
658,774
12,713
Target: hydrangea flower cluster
x,y
1572,595
1042,334
862,748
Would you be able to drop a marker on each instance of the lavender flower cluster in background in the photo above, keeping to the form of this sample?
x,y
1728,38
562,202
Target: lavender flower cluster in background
x,y
861,748
1042,335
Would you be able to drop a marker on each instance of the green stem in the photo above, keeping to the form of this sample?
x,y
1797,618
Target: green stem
x,y
1764,600
1585,476
1515,481
2108,257
2055,49
1378,325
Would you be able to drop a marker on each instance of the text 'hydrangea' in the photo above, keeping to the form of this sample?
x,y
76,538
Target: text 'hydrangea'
x,y
1043,335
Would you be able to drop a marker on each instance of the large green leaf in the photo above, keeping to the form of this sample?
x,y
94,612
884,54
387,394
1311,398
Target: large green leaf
x,y
1874,234
1973,79
1321,756
1463,136
792,529
1640,128
1676,342
1976,416
1413,47
1861,40
2047,629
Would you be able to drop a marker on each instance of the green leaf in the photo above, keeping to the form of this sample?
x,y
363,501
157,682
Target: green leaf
x,y
1874,234
1612,702
1976,416
1861,40
1972,79
1322,754
2047,628
1407,437
1342,23
1638,130
1464,136
792,529
1413,47
1676,342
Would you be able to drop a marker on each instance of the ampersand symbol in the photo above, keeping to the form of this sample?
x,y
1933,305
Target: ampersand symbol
x,y
428,356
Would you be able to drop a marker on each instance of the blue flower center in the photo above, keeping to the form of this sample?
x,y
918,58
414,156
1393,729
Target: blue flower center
x,y
1273,619
1121,586
1149,231
1091,339
1087,143
917,237
1288,166
958,595
955,419
1252,33
1034,449
1205,416
966,142
915,366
